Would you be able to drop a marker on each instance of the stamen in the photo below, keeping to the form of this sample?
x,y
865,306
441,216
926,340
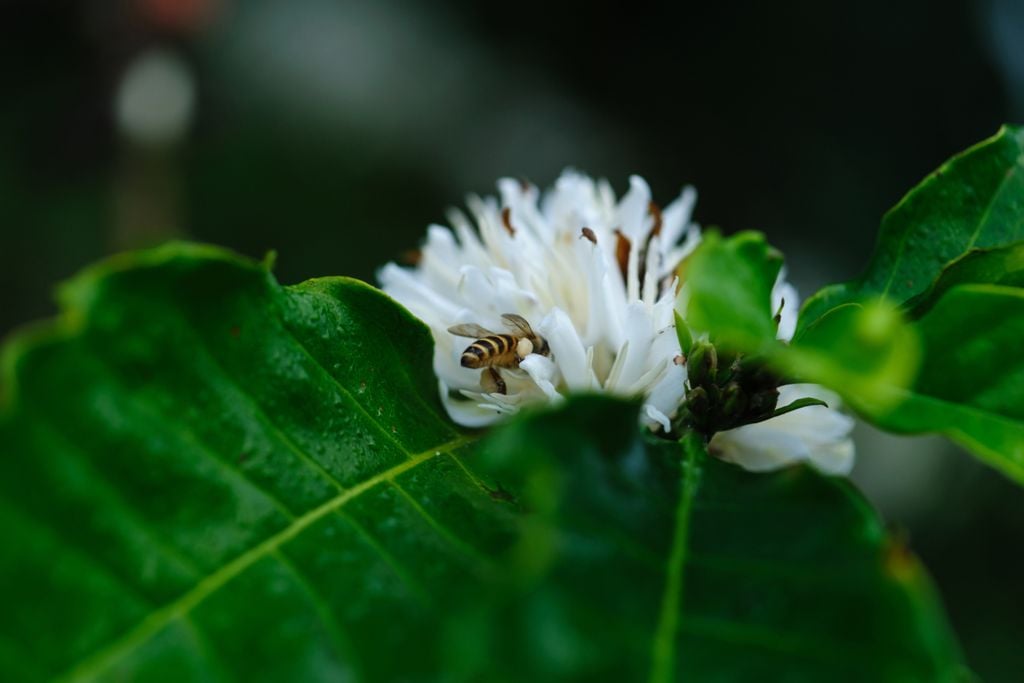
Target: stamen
x,y
506,219
411,257
655,211
622,247
589,234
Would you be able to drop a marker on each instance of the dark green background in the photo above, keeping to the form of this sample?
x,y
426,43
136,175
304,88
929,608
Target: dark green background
x,y
335,132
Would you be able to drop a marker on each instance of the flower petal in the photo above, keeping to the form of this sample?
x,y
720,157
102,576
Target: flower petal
x,y
815,434
567,350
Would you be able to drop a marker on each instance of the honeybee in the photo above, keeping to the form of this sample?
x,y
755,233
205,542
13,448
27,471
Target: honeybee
x,y
494,350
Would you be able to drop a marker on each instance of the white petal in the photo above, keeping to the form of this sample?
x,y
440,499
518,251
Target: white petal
x,y
636,352
655,416
467,413
675,219
815,434
634,210
542,371
785,292
668,392
835,458
567,350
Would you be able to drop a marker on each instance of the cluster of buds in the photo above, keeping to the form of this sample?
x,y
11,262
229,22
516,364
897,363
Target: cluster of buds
x,y
726,390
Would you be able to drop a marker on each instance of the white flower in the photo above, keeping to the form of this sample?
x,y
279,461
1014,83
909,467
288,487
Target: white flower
x,y
593,276
818,435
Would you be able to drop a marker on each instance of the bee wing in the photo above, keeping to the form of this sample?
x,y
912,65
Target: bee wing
x,y
517,322
470,330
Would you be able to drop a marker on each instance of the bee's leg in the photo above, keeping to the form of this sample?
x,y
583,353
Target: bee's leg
x,y
491,382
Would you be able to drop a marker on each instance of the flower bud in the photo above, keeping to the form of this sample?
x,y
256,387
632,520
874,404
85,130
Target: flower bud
x,y
702,367
734,402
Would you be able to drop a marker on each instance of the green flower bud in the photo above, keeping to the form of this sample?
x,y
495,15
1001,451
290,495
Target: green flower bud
x,y
702,366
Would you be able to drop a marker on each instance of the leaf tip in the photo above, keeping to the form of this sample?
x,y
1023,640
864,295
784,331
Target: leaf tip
x,y
269,261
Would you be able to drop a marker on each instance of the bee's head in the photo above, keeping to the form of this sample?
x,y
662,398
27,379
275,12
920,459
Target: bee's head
x,y
540,345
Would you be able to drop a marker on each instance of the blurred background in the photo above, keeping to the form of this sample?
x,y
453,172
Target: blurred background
x,y
335,131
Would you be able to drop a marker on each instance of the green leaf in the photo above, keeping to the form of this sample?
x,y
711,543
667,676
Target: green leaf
x,y
971,385
974,200
662,563
205,473
999,266
729,283
958,370
208,476
863,350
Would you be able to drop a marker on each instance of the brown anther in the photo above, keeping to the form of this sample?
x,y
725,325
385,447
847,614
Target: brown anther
x,y
411,257
622,247
655,211
679,360
506,219
589,234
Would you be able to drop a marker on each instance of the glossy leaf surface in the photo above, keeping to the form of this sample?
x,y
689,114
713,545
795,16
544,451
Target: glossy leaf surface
x,y
971,386
662,563
207,476
998,266
736,307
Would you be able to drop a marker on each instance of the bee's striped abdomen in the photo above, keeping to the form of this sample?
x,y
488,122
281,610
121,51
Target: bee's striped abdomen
x,y
489,351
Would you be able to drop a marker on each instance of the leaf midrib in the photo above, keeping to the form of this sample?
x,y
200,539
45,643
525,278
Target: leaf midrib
x,y
214,581
663,653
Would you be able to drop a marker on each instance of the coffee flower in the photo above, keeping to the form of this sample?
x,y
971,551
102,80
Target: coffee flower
x,y
572,291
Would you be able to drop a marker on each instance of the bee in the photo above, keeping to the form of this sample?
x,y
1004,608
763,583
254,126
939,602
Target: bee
x,y
494,350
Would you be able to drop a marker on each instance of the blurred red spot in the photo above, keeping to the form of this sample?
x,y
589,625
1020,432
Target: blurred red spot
x,y
179,15
235,331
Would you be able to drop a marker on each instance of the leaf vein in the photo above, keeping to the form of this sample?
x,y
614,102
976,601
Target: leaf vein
x,y
264,417
151,625
332,625
401,571
348,394
663,652
447,534
126,510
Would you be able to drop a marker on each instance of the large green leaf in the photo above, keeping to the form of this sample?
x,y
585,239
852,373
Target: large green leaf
x,y
997,266
207,476
662,563
973,201
971,386
204,472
